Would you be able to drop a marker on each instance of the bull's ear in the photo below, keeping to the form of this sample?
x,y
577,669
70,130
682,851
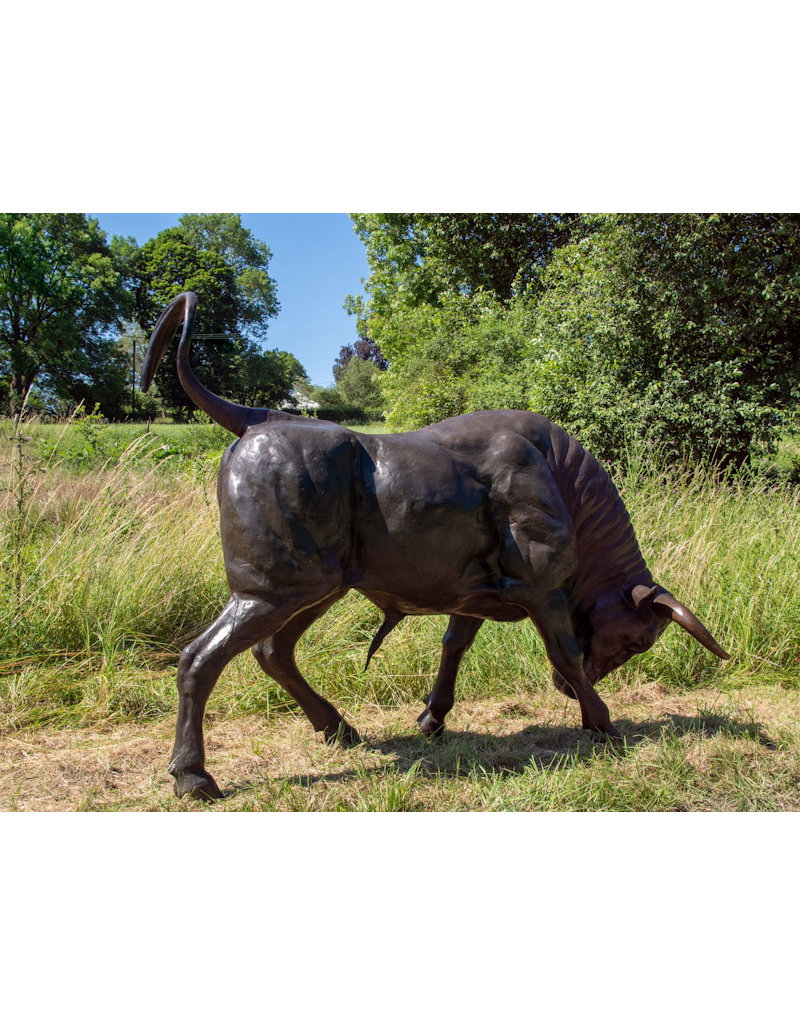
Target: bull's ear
x,y
643,596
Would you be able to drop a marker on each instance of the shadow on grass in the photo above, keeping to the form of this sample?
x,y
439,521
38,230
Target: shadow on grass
x,y
716,724
458,753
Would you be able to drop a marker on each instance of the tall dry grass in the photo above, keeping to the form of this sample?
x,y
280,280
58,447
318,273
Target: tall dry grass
x,y
109,558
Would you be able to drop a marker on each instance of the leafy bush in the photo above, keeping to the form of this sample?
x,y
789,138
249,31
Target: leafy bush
x,y
460,356
634,337
680,328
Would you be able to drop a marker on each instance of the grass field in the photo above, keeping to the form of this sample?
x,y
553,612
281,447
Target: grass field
x,y
111,562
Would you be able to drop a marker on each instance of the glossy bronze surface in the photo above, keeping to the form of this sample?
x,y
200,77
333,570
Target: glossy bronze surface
x,y
492,515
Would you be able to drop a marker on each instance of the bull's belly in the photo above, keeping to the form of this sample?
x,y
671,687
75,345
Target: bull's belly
x,y
417,579
483,601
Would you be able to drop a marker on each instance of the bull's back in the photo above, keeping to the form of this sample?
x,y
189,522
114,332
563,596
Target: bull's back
x,y
435,518
460,511
423,522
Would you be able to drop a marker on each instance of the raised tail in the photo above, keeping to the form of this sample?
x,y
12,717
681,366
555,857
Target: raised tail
x,y
236,418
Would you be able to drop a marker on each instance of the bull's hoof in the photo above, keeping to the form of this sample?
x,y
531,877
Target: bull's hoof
x,y
198,785
429,725
342,733
609,732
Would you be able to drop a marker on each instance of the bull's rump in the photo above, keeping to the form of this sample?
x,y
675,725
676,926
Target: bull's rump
x,y
285,493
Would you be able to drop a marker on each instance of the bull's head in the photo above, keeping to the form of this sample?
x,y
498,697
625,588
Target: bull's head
x,y
626,623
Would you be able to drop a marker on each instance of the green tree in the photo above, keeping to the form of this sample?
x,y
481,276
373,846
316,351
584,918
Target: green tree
x,y
225,235
359,384
60,293
326,397
464,354
420,258
442,301
684,328
263,378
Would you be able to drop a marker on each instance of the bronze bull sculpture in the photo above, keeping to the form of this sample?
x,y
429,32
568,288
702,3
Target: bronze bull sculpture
x,y
492,515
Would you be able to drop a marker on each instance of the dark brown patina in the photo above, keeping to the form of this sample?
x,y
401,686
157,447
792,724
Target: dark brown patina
x,y
492,515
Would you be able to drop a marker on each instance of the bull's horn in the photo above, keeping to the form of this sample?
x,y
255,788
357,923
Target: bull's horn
x,y
665,604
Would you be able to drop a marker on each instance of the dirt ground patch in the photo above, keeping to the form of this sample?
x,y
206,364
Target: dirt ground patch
x,y
281,764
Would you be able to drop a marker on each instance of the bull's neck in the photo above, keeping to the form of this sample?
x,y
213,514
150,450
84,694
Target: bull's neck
x,y
608,554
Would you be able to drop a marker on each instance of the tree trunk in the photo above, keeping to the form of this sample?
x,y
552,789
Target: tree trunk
x,y
18,391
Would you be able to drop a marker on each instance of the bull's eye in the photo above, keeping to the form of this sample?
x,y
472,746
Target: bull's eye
x,y
643,642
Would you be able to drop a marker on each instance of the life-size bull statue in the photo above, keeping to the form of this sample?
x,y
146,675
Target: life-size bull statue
x,y
492,515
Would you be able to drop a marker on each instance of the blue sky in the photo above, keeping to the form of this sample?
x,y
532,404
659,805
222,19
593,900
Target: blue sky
x,y
316,260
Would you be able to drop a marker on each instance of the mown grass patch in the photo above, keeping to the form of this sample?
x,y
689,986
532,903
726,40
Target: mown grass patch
x,y
690,752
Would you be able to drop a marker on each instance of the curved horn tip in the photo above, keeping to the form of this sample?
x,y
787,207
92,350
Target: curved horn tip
x,y
668,605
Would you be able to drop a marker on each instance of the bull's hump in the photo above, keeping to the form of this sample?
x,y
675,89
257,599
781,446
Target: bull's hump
x,y
478,429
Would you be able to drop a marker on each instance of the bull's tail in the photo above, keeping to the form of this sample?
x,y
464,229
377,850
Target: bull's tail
x,y
236,418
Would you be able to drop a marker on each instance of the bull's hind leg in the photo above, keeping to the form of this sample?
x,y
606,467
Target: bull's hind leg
x,y
275,654
242,621
461,631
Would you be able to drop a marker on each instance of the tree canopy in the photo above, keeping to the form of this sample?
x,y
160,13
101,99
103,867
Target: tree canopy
x,y
359,384
364,349
417,259
685,326
75,311
256,299
217,257
60,292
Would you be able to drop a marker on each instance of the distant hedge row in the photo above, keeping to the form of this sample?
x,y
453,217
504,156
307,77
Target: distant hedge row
x,y
345,414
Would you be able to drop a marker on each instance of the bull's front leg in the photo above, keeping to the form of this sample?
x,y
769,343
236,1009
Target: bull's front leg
x,y
553,619
461,631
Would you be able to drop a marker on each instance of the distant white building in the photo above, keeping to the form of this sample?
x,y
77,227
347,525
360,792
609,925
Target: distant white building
x,y
301,401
